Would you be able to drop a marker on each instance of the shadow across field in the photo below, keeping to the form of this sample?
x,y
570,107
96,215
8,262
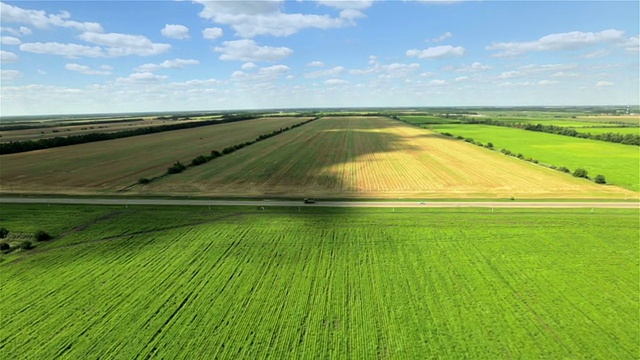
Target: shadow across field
x,y
327,157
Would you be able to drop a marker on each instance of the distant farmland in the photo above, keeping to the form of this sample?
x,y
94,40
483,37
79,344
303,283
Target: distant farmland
x,y
233,283
114,164
374,157
619,163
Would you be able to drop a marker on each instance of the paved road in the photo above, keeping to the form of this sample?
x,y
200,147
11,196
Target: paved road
x,y
374,204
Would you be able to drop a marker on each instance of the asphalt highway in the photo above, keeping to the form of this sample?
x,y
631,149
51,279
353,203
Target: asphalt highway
x,y
353,204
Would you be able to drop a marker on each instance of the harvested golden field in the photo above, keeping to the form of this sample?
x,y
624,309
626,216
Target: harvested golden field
x,y
375,157
107,166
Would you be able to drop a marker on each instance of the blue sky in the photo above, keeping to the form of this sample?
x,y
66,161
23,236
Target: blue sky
x,y
125,56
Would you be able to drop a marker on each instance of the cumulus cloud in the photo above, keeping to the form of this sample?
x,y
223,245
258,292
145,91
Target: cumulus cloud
x,y
7,57
23,30
436,52
248,50
85,70
336,82
40,19
547,82
442,37
315,64
174,31
212,33
66,50
574,40
353,4
125,44
253,18
10,40
604,84
461,78
474,67
8,75
333,72
248,66
264,74
437,82
389,71
141,77
167,64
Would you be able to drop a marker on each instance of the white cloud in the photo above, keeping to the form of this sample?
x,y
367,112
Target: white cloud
x,y
41,72
253,18
248,66
333,72
632,44
212,33
436,52
141,77
336,82
594,54
85,70
167,64
345,4
574,40
67,50
124,44
10,40
25,30
248,50
461,78
174,31
437,82
315,64
442,37
7,57
8,75
547,82
40,19
390,71
266,74
604,84
474,67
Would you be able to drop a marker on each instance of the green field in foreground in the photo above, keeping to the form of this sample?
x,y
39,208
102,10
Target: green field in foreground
x,y
619,163
205,283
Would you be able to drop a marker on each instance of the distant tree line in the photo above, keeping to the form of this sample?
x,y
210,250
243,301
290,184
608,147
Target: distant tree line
x,y
30,145
579,172
627,139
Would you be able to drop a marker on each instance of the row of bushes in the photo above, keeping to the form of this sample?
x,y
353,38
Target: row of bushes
x,y
579,172
179,167
7,247
627,139
30,145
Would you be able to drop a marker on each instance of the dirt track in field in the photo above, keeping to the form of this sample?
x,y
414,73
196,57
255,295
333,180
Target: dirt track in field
x,y
288,203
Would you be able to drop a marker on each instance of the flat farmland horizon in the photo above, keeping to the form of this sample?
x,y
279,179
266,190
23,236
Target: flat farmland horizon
x,y
366,156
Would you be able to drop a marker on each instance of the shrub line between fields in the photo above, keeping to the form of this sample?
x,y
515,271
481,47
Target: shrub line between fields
x,y
578,172
58,141
179,167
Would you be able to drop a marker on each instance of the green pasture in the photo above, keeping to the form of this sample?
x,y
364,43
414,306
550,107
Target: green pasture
x,y
206,283
619,163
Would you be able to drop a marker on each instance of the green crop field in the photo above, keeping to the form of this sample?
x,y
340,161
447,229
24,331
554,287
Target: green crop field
x,y
187,283
619,163
107,166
